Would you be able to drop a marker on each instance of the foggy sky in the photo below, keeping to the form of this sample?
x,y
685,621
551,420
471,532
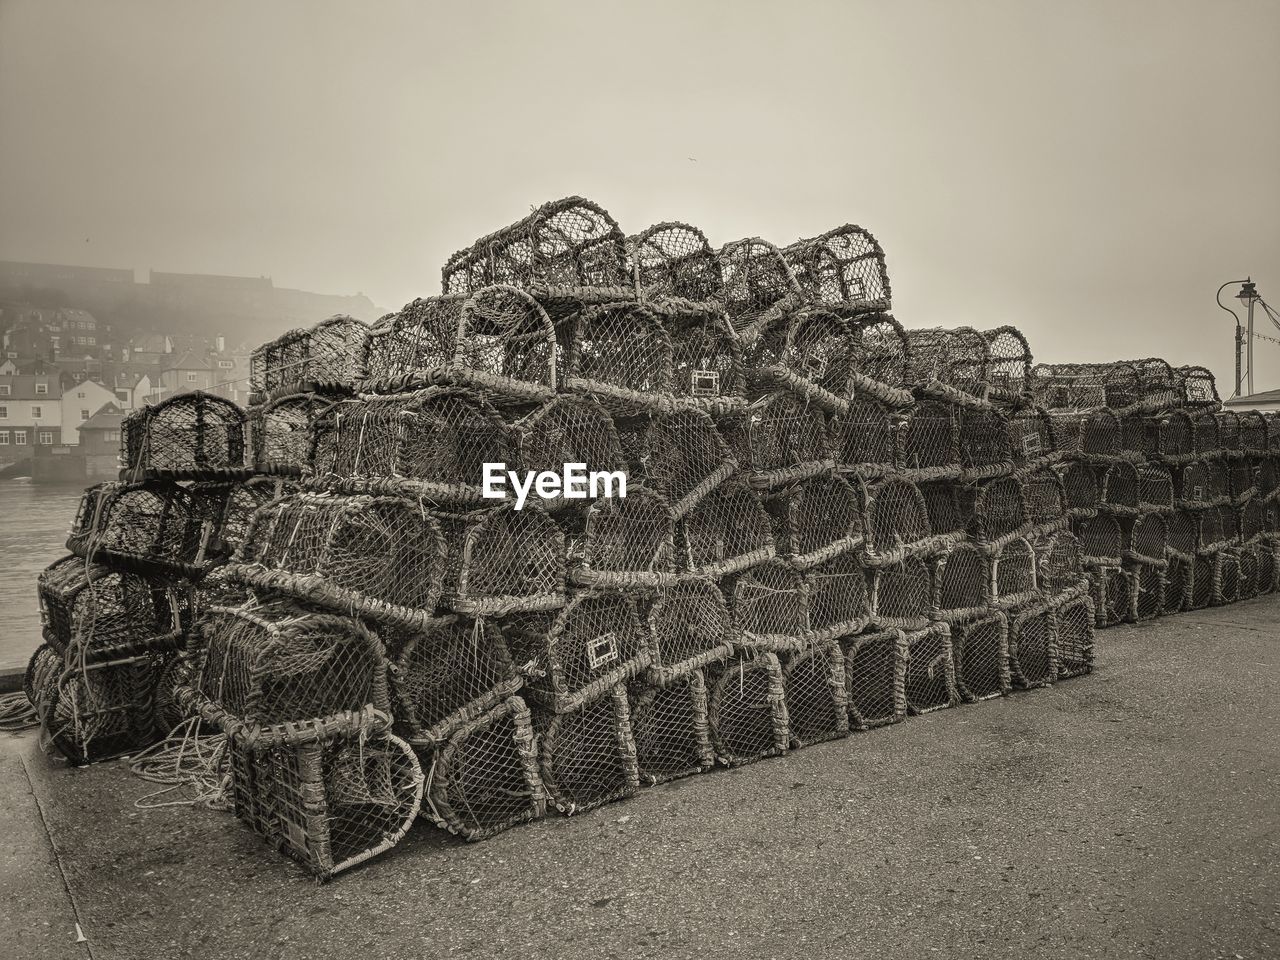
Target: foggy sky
x,y
1089,172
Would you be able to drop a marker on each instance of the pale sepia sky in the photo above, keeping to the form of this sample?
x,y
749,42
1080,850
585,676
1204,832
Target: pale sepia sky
x,y
1089,171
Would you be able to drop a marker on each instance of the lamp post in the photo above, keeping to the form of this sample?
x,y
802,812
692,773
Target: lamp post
x,y
1247,296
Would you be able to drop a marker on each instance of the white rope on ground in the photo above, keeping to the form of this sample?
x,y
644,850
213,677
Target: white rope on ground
x,y
17,713
190,764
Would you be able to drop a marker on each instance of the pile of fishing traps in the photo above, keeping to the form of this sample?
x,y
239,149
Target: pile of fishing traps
x,y
830,523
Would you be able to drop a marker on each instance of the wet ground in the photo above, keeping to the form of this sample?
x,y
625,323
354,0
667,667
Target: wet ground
x,y
1131,813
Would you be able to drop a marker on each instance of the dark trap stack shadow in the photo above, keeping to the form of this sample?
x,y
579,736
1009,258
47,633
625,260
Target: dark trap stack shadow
x,y
832,523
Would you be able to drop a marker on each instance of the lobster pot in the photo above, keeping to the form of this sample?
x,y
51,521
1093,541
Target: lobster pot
x,y
727,531
100,711
771,606
169,712
780,439
215,589
1226,578
817,519
930,679
875,666
430,443
1068,386
759,286
1101,540
865,438
506,346
447,674
1248,559
1267,479
931,440
1213,529
1111,591
627,542
843,267
1227,518
681,455
707,365
1253,433
189,435
1195,386
814,360
980,649
1045,497
1201,484
241,501
1031,438
1204,434
1032,647
570,430
418,343
1059,562
948,516
382,557
329,805
689,626
1145,538
985,443
280,432
1174,436
881,361
901,595
281,664
566,250
1155,487
1008,364
838,600
1148,584
1228,431
671,732
103,612
1178,584
1204,568
272,366
1139,435
674,261
948,361
503,560
1073,634
484,777
621,354
1241,480
963,583
1015,573
1120,486
747,710
1251,519
998,512
595,643
1095,436
335,352
588,757
148,526
813,682
1156,382
1083,491
897,523
1267,570
1181,529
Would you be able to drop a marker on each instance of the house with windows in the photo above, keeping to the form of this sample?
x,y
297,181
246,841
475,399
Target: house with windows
x,y
79,404
100,444
30,414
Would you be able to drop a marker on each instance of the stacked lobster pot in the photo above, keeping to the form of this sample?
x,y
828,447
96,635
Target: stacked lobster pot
x,y
144,551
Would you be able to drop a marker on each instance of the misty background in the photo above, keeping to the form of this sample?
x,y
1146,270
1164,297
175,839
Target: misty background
x,y
1088,172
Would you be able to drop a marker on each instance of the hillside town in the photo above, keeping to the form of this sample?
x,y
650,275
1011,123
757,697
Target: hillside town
x,y
82,346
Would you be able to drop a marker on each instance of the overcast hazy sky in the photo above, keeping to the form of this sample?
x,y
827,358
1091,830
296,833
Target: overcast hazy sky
x,y
1088,171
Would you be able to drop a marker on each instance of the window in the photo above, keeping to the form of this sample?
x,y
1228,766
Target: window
x,y
227,364
111,436
5,389
84,415
4,413
45,438
191,376
122,396
37,412
80,394
42,389
92,340
20,438
4,438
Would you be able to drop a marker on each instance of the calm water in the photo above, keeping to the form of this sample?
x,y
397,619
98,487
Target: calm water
x,y
33,530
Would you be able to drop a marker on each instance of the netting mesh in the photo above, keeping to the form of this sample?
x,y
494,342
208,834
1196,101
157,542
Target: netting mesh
x,y
1120,487
779,439
866,438
842,267
1146,538
1228,430
1073,634
931,439
622,354
1060,566
280,432
1008,363
1081,485
1149,587
955,357
1181,530
626,541
881,358
100,611
688,627
875,676
1016,579
726,531
420,340
817,519
985,440
569,430
149,525
897,522
981,651
1204,433
188,435
997,511
771,606
930,678
588,757
95,713
674,260
1112,594
1225,578
964,583
1031,646
484,778
838,600
670,726
817,706
503,560
1155,487
758,284
1101,539
1045,497
1032,438
747,710
381,557
901,595
707,362
681,455
329,354
1201,484
1197,386
1177,584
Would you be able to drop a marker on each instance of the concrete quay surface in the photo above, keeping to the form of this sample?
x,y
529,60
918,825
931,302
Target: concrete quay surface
x,y
1131,813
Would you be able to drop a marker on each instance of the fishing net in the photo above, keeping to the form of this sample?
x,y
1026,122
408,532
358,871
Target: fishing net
x,y
758,285
95,712
103,612
279,664
430,443
931,440
1204,434
838,601
626,542
1181,531
1069,386
1170,436
1158,386
188,436
866,439
1112,594
1247,557
1196,386
675,261
1201,484
707,366
964,583
813,682
770,605
329,805
569,430
1155,488
747,710
1251,520
1101,539
588,757
1145,539
582,653
419,342
1228,431
1008,364
1032,439
779,439
688,627
1045,497
1097,436
948,516
621,353
566,250
272,365
1225,583
148,526
1177,584
1120,487
670,727
484,778
929,682
329,355
880,359
981,651
817,519
950,363
1073,635
875,675
280,432
1149,585
1031,646
681,455
1060,566
997,510
815,361
726,531
1081,484
985,441
897,523
503,560
901,595
1212,533
843,267
1016,579
378,557
447,674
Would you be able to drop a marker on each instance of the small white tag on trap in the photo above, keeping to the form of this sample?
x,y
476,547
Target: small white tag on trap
x,y
706,383
602,650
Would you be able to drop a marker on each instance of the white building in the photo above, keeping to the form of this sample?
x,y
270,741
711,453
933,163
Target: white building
x,y
79,404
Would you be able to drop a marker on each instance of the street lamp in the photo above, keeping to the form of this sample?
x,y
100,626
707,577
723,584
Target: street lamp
x,y
1248,296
